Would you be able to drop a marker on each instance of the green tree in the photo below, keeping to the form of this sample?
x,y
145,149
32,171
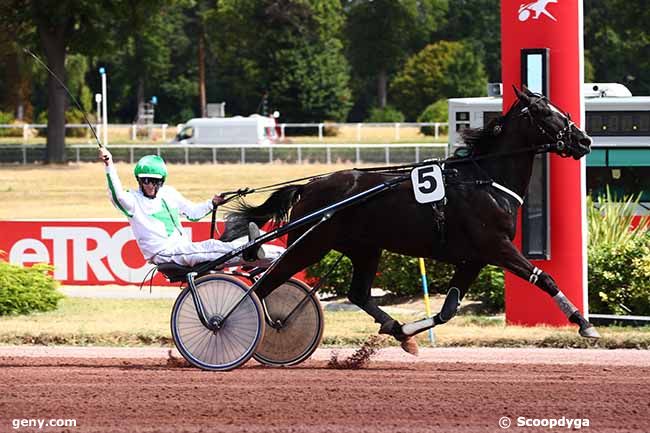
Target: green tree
x,y
478,23
617,40
440,71
289,50
147,41
58,28
436,112
383,33
15,79
77,67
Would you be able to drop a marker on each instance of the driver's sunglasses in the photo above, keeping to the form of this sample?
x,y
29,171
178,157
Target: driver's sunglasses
x,y
151,181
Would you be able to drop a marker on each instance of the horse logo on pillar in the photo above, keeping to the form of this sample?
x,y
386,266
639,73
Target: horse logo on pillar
x,y
538,7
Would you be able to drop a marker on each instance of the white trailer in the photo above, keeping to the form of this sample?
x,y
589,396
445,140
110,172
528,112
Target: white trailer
x,y
254,129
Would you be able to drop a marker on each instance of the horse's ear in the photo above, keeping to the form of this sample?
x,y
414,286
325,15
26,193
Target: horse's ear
x,y
526,90
521,95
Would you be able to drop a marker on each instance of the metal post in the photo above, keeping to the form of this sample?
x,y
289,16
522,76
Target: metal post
x,y
77,152
358,155
214,155
164,131
187,155
25,132
102,71
387,153
24,155
329,155
282,125
98,100
436,129
320,131
417,153
299,155
131,154
158,151
243,155
397,131
427,304
270,155
133,132
359,125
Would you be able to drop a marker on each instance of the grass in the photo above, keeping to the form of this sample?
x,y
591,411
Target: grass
x,y
109,322
79,190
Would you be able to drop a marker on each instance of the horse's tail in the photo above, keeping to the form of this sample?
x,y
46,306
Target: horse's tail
x,y
276,207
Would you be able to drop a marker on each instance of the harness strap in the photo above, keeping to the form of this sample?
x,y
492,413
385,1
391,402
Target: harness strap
x,y
508,191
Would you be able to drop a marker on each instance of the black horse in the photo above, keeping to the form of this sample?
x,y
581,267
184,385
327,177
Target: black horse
x,y
474,227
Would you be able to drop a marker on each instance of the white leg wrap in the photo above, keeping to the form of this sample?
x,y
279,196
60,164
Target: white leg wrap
x,y
535,275
419,326
565,305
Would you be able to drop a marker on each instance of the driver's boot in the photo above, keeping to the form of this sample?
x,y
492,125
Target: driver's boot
x,y
257,253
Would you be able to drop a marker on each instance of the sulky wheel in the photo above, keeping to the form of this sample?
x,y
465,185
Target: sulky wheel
x,y
235,341
290,340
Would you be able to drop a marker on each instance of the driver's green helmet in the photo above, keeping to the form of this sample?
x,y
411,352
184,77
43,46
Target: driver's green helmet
x,y
151,166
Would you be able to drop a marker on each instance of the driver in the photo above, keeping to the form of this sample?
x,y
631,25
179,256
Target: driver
x,y
154,210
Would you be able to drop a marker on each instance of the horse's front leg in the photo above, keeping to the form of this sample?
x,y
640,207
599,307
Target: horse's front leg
x,y
464,275
512,260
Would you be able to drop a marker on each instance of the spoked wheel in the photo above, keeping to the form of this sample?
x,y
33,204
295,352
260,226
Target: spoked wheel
x,y
235,341
290,338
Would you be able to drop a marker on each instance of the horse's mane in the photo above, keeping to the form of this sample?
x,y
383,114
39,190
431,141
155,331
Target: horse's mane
x,y
479,140
475,137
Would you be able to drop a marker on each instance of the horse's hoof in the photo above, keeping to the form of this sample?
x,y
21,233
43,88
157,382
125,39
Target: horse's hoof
x,y
589,332
410,346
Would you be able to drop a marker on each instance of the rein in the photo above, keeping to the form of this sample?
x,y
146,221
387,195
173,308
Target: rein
x,y
556,144
394,170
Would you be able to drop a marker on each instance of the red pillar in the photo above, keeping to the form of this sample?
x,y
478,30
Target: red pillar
x,y
557,26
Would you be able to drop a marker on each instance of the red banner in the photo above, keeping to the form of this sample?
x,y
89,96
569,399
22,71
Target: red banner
x,y
85,252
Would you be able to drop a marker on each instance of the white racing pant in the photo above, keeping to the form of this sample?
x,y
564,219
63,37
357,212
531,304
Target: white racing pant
x,y
192,253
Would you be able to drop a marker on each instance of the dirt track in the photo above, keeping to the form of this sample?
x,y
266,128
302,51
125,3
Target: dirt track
x,y
144,394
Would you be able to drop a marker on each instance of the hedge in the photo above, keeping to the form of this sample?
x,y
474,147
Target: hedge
x,y
400,276
26,290
619,266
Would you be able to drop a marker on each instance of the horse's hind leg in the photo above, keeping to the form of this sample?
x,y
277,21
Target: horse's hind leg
x,y
512,260
309,251
364,269
363,274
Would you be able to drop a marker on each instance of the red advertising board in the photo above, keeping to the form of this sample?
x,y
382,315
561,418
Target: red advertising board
x,y
84,252
556,25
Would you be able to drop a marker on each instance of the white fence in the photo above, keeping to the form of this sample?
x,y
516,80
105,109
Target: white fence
x,y
360,127
28,128
246,153
135,130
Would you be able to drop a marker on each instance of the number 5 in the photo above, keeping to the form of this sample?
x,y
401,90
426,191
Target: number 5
x,y
425,175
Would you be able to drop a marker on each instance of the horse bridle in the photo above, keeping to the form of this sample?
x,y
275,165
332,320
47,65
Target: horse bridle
x,y
557,141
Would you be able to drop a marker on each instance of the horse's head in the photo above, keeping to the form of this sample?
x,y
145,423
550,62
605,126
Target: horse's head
x,y
554,127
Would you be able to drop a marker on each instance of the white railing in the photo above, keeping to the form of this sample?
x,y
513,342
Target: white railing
x,y
247,153
320,127
361,126
132,128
